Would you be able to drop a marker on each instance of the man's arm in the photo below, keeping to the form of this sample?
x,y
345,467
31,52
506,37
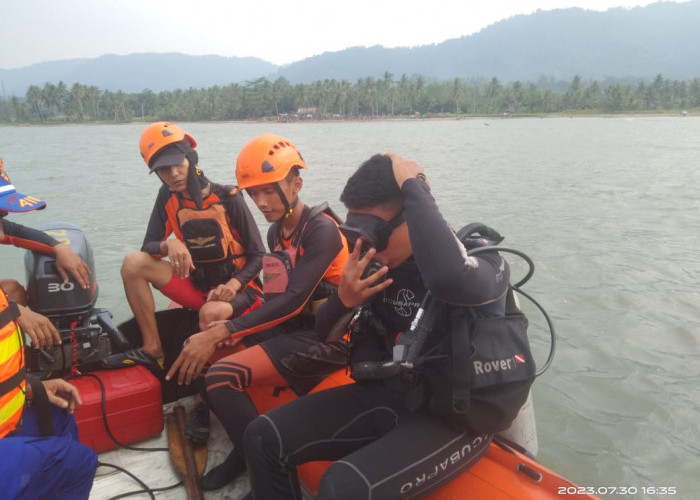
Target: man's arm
x,y
27,238
67,261
60,393
40,329
447,271
158,228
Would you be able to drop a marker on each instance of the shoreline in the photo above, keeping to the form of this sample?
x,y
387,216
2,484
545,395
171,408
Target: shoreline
x,y
427,117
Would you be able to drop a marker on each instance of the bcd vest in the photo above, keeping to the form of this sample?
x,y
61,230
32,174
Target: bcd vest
x,y
12,376
477,363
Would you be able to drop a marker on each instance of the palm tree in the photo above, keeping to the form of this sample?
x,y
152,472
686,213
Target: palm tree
x,y
35,97
415,93
493,91
573,95
93,95
279,88
78,93
456,96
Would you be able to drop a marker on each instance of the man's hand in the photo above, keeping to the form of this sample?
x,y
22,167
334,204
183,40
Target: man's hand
x,y
68,262
405,169
353,290
196,352
228,342
225,292
62,394
39,328
179,257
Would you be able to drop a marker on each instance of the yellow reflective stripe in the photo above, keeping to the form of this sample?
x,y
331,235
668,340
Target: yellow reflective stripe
x,y
12,406
10,345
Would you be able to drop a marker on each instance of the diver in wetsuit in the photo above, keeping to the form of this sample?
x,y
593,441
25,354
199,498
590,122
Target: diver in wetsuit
x,y
384,440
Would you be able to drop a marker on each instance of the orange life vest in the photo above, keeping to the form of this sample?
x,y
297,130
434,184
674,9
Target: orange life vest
x,y
294,249
207,231
278,264
12,376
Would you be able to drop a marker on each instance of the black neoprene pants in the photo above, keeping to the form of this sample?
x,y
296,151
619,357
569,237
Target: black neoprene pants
x,y
381,450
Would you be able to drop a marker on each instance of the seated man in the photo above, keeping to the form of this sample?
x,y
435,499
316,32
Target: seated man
x,y
214,258
381,431
40,455
40,329
278,346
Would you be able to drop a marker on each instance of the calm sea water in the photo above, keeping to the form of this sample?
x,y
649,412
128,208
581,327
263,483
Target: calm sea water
x,y
607,208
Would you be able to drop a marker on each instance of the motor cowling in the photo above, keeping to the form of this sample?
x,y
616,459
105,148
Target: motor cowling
x,y
47,293
87,333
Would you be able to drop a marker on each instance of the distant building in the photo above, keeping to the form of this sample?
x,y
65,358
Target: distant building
x,y
307,113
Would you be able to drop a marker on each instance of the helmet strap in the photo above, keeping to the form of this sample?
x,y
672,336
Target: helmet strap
x,y
196,180
288,207
290,210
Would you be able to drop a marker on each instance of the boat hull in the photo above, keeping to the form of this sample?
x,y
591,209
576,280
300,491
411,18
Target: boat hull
x,y
503,473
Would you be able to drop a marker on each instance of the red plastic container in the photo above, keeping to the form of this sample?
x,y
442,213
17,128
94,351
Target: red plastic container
x,y
134,407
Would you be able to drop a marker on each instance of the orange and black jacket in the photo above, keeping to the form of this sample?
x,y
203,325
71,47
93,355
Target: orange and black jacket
x,y
225,207
27,238
12,376
321,256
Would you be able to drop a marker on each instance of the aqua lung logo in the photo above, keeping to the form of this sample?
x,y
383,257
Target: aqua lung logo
x,y
498,365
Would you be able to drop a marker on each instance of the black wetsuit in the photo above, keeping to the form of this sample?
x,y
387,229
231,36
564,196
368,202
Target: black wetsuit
x,y
283,348
384,441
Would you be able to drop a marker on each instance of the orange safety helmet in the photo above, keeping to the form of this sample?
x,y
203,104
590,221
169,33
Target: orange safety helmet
x,y
266,159
159,135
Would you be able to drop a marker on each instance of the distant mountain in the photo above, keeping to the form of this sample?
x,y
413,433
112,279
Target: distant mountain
x,y
661,38
136,72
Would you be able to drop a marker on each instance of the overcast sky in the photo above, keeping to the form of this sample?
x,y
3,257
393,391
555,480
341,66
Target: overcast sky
x,y
277,31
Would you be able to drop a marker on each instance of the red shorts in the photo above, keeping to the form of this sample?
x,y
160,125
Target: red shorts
x,y
182,291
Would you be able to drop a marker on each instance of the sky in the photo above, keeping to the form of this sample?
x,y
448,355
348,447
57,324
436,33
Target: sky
x,y
277,31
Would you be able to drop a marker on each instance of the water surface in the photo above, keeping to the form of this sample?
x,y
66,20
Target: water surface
x,y
607,208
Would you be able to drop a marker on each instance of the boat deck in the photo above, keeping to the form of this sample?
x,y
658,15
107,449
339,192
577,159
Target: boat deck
x,y
155,469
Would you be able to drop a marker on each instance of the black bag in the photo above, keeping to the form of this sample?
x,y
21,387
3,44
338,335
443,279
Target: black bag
x,y
490,365
489,371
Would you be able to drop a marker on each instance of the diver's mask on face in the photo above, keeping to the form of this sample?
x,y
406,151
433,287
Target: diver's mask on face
x,y
372,230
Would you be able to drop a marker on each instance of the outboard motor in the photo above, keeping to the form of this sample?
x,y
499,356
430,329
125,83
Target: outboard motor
x,y
87,333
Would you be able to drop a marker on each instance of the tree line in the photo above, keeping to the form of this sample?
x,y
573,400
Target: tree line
x,y
366,98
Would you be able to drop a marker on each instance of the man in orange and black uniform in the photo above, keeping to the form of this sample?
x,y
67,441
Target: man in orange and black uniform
x,y
40,455
214,258
277,343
